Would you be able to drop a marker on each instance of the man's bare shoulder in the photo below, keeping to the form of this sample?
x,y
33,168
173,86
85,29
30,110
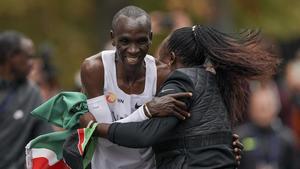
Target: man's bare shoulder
x,y
92,63
92,75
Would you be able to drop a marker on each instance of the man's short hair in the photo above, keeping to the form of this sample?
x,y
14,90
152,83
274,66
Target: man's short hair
x,y
10,44
132,12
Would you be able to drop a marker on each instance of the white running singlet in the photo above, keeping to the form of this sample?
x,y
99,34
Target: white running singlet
x,y
111,156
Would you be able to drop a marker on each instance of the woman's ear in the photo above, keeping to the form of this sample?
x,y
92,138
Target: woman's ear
x,y
112,38
172,58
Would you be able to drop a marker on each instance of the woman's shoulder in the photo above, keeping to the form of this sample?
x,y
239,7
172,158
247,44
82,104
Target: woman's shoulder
x,y
180,79
193,73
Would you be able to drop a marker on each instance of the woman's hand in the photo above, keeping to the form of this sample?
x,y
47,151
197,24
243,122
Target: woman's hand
x,y
169,105
237,148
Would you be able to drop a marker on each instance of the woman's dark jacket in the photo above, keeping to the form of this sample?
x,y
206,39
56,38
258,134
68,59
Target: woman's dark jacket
x,y
203,141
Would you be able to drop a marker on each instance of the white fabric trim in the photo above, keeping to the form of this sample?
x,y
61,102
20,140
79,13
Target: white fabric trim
x,y
151,74
99,108
28,153
136,116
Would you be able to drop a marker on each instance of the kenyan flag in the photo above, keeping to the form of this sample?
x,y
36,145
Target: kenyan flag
x,y
73,144
45,151
48,151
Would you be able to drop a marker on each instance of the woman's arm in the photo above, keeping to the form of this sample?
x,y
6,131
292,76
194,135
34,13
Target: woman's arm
x,y
149,132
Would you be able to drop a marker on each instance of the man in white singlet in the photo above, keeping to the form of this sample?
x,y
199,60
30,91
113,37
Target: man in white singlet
x,y
128,78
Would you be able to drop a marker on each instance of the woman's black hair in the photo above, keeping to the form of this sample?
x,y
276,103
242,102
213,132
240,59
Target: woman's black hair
x,y
235,59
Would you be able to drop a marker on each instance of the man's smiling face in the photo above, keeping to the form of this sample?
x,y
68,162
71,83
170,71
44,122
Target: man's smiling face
x,y
132,39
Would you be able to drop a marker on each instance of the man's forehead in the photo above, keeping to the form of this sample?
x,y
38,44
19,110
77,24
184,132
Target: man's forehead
x,y
132,22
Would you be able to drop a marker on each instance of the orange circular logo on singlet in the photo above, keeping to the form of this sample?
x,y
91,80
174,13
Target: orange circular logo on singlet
x,y
111,97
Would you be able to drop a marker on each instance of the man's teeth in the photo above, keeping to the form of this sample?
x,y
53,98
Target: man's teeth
x,y
132,59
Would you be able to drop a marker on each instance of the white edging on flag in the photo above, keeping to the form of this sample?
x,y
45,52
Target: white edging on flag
x,y
32,153
43,152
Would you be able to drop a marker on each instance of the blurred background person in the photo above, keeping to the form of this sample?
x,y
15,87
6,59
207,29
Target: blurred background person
x,y
18,97
291,111
268,144
291,102
165,22
44,73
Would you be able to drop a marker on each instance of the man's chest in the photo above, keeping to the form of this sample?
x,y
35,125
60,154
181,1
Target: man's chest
x,y
122,105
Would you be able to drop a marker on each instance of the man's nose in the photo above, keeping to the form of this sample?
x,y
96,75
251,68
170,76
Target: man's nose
x,y
133,49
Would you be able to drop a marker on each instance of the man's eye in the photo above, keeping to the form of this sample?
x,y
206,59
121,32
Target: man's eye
x,y
124,41
143,41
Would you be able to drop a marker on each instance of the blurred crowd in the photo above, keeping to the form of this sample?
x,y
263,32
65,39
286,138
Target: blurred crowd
x,y
270,131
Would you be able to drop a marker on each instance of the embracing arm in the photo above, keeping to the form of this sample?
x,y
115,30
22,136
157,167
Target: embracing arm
x,y
140,134
149,132
124,133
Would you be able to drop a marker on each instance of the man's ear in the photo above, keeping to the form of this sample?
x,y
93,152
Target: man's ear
x,y
112,36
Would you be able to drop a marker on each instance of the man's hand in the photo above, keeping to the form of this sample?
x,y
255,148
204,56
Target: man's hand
x,y
85,119
169,105
237,148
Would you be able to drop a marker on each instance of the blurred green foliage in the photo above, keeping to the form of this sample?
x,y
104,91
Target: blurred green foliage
x,y
77,29
277,18
68,25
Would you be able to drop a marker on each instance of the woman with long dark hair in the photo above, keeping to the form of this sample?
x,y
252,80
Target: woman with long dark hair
x,y
235,60
215,67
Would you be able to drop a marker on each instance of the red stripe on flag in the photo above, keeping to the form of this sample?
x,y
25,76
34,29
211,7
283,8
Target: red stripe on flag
x,y
80,133
42,163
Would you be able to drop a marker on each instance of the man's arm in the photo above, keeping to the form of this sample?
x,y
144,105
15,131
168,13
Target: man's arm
x,y
92,76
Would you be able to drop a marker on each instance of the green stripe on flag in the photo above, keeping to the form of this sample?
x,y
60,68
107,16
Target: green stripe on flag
x,y
63,110
88,132
91,142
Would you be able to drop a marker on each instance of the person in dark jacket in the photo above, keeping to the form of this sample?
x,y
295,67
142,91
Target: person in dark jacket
x,y
268,143
214,67
18,97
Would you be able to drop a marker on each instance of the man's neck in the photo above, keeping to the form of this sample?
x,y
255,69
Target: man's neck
x,y
130,74
131,79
